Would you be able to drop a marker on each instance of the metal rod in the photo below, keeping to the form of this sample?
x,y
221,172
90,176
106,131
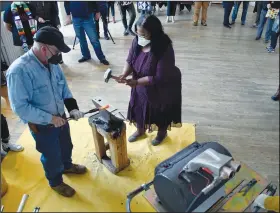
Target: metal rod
x,y
22,202
74,42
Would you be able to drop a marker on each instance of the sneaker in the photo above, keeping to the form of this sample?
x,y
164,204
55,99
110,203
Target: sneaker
x,y
227,26
131,32
125,33
204,24
232,23
270,50
257,38
195,24
83,59
76,169
64,190
243,23
105,62
106,37
158,140
12,147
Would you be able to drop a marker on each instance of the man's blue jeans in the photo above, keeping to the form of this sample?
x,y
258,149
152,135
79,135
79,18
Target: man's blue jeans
x,y
56,146
83,26
261,23
269,26
244,12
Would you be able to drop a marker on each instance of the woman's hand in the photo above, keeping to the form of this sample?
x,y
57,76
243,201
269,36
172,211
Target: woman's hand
x,y
121,79
131,82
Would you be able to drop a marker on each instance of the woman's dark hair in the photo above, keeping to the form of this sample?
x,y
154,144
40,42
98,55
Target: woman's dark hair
x,y
159,40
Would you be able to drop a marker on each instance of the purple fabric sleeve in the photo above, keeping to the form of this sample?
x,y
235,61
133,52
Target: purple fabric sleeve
x,y
131,50
164,67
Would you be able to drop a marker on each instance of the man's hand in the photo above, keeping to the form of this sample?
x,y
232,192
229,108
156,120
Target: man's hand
x,y
97,16
68,20
259,201
131,82
58,121
76,114
41,20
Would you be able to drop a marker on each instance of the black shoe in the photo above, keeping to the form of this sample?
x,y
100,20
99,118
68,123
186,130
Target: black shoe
x,y
126,33
232,23
105,62
83,59
243,23
227,26
106,37
61,62
131,32
258,38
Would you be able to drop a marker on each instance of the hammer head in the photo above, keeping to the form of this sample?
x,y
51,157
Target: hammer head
x,y
107,75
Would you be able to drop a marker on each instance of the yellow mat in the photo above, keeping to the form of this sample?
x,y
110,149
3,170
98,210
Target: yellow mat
x,y
98,190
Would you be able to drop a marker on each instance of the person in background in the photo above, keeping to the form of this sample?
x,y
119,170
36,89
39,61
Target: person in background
x,y
269,16
274,35
46,14
103,8
5,138
145,7
262,19
227,10
197,6
187,4
25,28
257,9
129,7
171,11
111,6
83,15
269,203
273,11
156,99
244,11
40,102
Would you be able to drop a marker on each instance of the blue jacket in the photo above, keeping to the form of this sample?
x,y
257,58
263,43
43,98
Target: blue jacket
x,y
80,9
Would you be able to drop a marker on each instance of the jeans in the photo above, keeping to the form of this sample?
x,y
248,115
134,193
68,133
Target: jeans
x,y
103,11
83,26
56,146
227,10
111,5
4,129
259,10
274,38
261,23
132,15
269,25
244,12
171,8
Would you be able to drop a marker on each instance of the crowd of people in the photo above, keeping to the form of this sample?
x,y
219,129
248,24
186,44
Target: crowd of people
x,y
38,90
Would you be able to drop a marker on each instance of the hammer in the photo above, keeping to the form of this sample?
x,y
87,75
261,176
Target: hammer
x,y
92,111
108,75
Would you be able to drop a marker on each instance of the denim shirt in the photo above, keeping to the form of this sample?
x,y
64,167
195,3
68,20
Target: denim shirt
x,y
36,92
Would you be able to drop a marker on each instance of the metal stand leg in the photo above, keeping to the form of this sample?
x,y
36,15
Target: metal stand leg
x,y
109,32
74,42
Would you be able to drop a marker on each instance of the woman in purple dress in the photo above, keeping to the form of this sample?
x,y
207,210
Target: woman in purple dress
x,y
156,99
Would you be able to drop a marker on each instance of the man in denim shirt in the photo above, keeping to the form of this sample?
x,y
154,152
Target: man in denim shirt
x,y
38,92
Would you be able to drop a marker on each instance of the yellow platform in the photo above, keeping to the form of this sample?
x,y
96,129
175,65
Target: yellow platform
x,y
98,190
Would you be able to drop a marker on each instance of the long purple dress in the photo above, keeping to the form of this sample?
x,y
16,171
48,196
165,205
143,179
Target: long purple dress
x,y
158,105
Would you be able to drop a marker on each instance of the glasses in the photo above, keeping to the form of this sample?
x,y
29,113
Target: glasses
x,y
57,52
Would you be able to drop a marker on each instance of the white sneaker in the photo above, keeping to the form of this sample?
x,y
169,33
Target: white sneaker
x,y
12,146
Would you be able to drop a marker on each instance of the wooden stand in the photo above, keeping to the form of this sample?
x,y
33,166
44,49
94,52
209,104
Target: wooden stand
x,y
118,149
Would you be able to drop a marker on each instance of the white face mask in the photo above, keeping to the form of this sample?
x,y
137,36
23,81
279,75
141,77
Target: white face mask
x,y
143,42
